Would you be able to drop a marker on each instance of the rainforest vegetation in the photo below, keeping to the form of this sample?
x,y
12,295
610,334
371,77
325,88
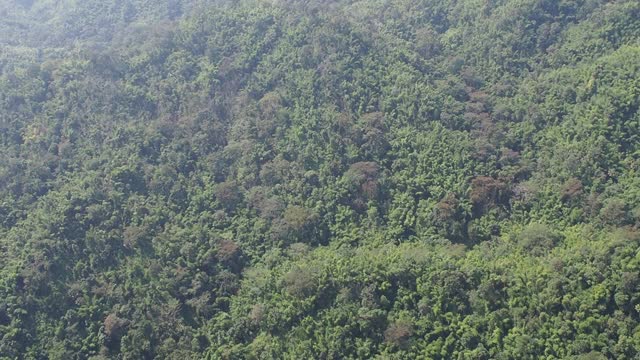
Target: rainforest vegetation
x,y
330,179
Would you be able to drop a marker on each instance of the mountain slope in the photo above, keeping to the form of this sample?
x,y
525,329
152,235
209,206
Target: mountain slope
x,y
337,179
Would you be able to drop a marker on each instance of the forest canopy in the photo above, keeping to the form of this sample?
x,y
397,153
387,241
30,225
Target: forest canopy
x,y
336,179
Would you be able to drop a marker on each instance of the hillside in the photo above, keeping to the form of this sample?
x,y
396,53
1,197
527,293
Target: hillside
x,y
336,179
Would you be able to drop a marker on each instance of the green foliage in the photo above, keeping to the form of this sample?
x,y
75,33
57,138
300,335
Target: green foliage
x,y
336,180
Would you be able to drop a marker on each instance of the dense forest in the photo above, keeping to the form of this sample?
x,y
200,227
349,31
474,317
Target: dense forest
x,y
331,179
